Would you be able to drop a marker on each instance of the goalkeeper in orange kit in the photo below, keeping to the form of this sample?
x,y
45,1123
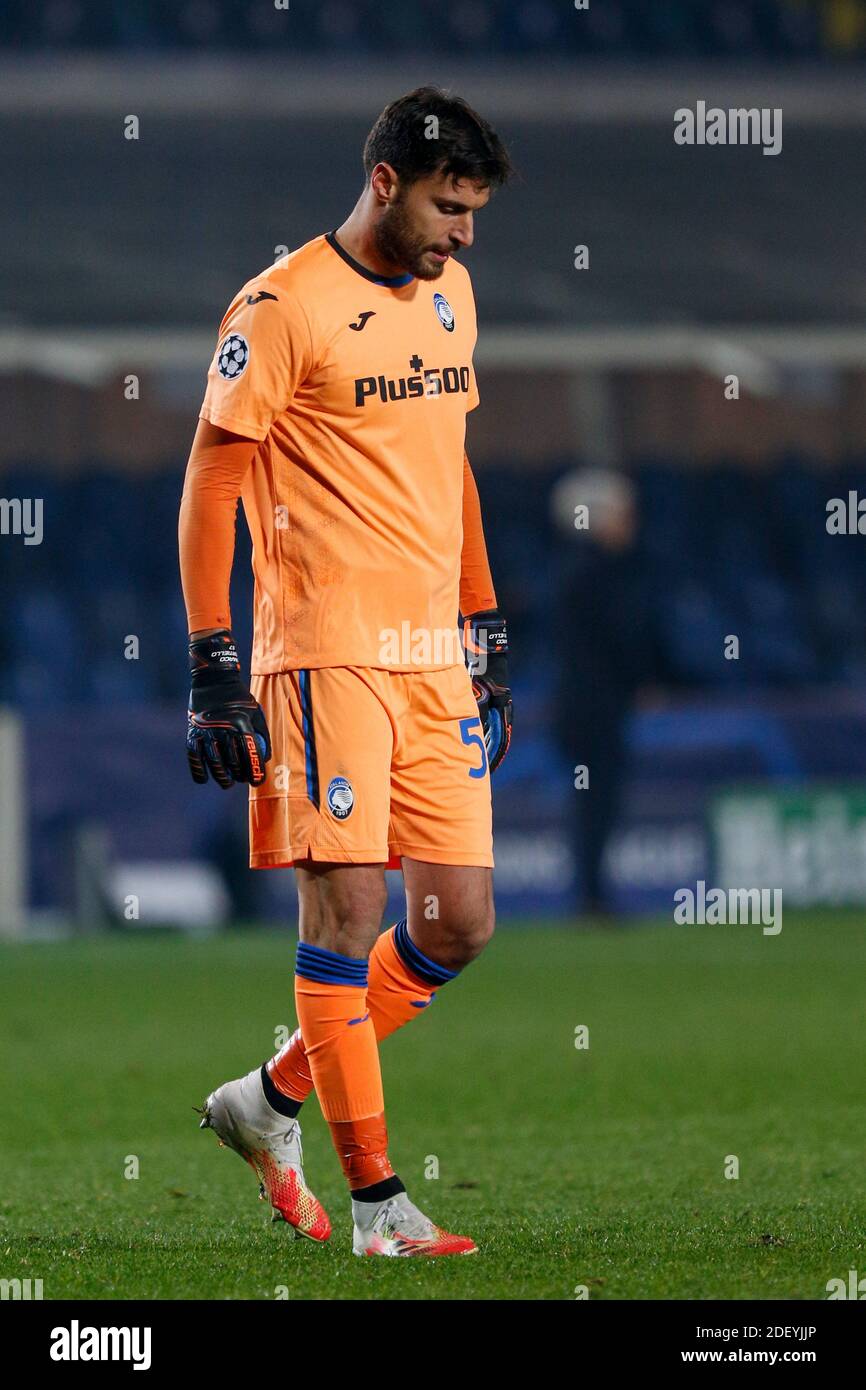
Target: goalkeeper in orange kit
x,y
336,408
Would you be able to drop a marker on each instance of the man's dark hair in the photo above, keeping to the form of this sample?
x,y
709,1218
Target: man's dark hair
x,y
467,146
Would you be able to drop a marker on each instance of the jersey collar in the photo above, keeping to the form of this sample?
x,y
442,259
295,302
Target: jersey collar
x,y
392,282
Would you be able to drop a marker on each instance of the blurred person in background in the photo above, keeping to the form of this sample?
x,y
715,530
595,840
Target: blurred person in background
x,y
608,640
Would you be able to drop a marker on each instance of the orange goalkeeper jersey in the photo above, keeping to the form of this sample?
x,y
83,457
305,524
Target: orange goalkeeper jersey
x,y
357,387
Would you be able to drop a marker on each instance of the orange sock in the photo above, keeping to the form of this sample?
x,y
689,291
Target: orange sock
x,y
362,1148
290,1070
395,995
343,1058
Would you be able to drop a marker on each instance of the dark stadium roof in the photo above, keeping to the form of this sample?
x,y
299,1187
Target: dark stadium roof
x,y
100,230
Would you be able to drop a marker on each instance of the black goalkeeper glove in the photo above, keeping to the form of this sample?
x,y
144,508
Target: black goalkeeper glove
x,y
227,732
485,642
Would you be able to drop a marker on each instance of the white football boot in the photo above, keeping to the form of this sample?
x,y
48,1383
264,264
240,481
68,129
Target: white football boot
x,y
397,1227
242,1119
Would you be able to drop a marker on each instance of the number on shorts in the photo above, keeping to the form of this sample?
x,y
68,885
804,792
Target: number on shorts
x,y
466,725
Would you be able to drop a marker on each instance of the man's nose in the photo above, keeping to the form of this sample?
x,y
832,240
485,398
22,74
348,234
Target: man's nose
x,y
462,232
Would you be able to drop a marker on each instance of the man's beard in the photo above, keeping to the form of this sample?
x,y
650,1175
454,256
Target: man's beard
x,y
396,242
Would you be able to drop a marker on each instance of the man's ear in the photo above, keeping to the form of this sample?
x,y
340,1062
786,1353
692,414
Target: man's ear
x,y
385,183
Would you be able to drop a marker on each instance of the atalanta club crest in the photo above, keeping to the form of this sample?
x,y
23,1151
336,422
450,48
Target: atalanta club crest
x,y
233,355
341,797
445,312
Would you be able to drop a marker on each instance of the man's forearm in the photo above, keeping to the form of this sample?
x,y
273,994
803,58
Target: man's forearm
x,y
218,463
476,583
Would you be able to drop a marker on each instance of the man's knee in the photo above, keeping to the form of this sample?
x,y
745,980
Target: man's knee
x,y
342,911
464,932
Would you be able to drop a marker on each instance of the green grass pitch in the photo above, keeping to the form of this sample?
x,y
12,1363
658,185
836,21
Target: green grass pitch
x,y
601,1167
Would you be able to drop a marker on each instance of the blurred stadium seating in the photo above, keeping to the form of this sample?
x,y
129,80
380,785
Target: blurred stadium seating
x,y
622,28
726,550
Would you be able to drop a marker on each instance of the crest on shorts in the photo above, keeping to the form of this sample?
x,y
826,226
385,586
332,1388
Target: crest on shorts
x,y
445,312
233,354
341,797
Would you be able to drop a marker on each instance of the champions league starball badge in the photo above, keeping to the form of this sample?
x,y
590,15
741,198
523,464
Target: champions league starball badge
x,y
233,355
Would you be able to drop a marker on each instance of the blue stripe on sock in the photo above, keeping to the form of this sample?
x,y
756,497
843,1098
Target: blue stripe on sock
x,y
329,967
421,965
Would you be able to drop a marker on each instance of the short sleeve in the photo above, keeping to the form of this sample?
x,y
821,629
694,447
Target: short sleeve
x,y
263,354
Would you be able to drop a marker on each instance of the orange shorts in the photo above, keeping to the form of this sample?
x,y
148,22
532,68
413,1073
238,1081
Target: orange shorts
x,y
370,765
